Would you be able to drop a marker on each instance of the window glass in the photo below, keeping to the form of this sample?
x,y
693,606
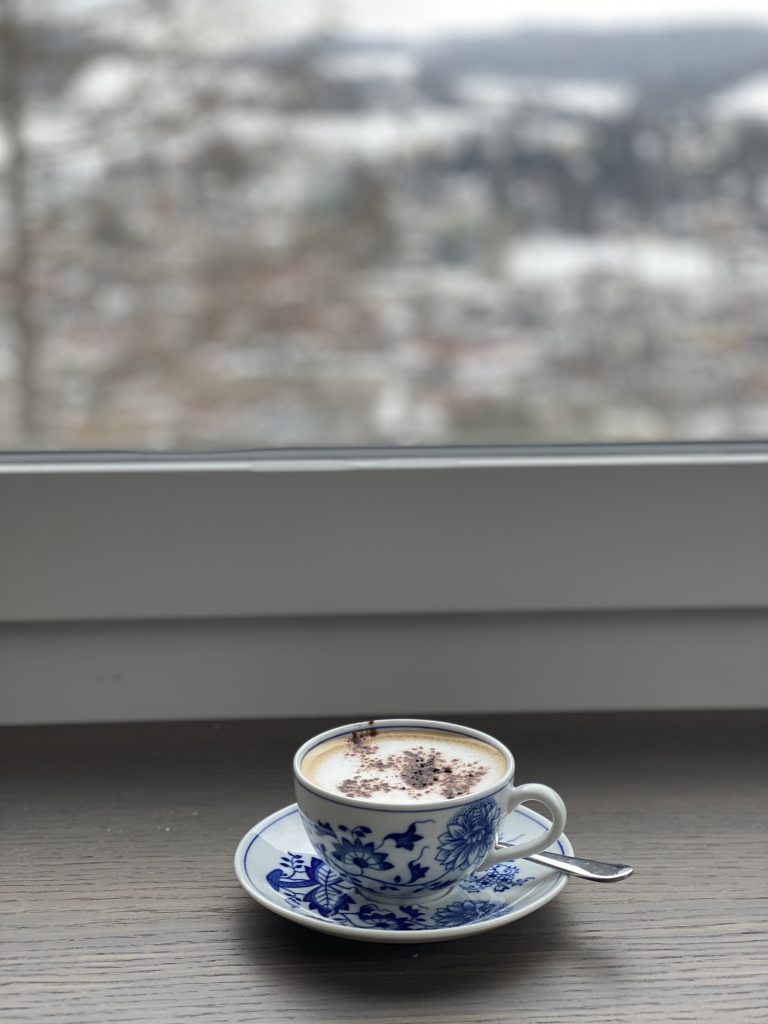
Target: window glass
x,y
242,224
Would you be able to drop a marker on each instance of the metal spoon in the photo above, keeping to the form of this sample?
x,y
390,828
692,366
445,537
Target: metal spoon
x,y
591,870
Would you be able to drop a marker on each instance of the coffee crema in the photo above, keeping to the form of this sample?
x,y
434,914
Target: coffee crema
x,y
403,765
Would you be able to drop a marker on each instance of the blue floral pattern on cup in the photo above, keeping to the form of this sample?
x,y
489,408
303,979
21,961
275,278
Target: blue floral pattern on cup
x,y
351,850
380,867
309,884
357,854
470,835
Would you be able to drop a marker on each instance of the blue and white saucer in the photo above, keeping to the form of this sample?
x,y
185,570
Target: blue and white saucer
x,y
276,865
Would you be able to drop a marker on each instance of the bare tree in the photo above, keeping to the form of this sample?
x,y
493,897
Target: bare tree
x,y
21,249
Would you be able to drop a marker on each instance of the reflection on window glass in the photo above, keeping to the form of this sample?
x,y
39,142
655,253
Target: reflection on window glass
x,y
251,224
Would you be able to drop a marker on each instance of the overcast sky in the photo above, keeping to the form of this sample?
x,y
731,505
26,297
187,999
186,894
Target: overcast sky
x,y
417,17
228,20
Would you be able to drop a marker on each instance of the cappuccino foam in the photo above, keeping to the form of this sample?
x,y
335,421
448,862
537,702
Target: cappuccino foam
x,y
403,765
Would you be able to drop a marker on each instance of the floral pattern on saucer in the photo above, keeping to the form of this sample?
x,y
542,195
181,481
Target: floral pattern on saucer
x,y
308,883
277,866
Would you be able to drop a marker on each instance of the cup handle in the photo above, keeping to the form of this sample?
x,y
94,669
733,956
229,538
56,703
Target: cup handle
x,y
554,804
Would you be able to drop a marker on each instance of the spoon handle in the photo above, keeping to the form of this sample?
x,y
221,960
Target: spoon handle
x,y
591,870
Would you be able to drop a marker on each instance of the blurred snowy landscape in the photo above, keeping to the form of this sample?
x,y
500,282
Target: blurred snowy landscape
x,y
213,239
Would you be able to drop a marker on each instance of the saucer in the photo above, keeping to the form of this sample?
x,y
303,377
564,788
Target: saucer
x,y
276,865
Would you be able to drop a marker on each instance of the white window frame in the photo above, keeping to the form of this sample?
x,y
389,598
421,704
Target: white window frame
x,y
364,536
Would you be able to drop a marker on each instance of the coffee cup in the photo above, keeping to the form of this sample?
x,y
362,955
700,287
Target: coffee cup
x,y
406,808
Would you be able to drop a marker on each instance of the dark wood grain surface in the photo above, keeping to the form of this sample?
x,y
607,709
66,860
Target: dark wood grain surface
x,y
119,901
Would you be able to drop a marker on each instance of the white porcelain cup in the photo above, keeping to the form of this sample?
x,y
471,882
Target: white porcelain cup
x,y
399,851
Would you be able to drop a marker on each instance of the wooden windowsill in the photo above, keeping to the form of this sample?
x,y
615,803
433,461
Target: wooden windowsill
x,y
119,900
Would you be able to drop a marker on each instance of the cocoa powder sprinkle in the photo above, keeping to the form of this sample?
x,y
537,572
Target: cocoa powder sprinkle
x,y
419,769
